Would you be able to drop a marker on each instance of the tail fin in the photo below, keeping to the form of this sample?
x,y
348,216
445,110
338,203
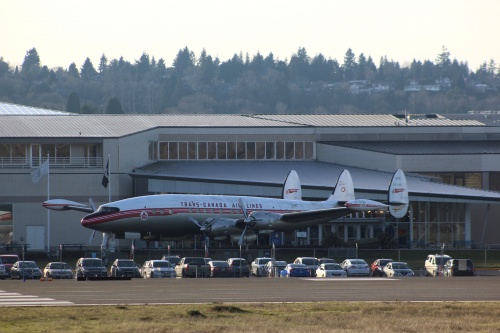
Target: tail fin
x,y
344,189
291,188
398,195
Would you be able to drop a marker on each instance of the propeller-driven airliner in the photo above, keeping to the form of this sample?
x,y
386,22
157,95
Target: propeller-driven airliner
x,y
222,216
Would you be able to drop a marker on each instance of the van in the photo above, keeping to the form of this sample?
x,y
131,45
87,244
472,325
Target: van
x,y
459,267
434,264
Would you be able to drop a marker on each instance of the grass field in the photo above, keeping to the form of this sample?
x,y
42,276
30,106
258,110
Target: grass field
x,y
286,317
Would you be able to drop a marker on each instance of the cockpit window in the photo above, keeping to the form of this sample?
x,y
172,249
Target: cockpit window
x,y
108,209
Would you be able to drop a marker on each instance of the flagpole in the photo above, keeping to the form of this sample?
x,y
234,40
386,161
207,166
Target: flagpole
x,y
109,180
48,198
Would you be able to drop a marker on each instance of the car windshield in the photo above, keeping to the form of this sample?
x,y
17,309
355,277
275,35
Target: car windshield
x,y
324,261
92,263
27,264
264,261
384,262
333,267
220,264
58,265
161,264
310,261
9,260
400,265
441,260
238,262
358,262
126,263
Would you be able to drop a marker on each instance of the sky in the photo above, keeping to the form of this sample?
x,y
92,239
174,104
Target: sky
x,y
67,31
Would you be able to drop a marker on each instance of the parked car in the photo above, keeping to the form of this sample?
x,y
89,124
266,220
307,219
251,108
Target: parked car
x,y
57,270
356,267
274,267
192,267
3,271
239,266
459,267
157,269
124,268
257,266
397,268
90,267
220,268
25,270
311,262
377,267
434,264
173,259
8,260
297,270
330,270
326,261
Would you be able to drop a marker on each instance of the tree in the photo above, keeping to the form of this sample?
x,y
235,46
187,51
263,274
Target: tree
x,y
184,60
73,104
88,71
349,66
31,64
103,64
4,67
114,106
73,71
299,66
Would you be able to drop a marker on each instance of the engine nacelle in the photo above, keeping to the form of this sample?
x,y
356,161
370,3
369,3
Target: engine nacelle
x,y
223,227
262,220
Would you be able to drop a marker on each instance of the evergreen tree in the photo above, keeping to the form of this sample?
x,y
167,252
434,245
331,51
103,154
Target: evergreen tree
x,y
73,71
31,64
349,66
114,106
103,64
88,71
73,104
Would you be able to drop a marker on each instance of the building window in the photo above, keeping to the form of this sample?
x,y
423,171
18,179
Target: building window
x,y
153,150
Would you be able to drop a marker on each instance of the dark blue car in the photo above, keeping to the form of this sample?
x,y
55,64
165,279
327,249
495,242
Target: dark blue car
x,y
297,270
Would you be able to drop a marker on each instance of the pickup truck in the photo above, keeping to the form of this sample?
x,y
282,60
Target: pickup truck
x,y
192,267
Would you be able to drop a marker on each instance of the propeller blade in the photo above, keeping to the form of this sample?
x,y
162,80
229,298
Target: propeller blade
x,y
92,204
245,213
240,241
195,221
92,236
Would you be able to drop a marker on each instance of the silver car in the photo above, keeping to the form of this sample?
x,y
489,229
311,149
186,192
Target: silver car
x,y
157,269
257,267
57,270
356,267
396,268
330,270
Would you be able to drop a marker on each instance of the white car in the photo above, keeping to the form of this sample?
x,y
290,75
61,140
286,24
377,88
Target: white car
x,y
434,264
356,267
330,270
58,270
257,267
397,268
157,269
273,268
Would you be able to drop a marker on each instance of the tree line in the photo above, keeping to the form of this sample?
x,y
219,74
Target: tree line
x,y
253,85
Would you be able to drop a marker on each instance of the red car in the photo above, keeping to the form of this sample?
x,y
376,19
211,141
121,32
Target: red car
x,y
377,267
8,260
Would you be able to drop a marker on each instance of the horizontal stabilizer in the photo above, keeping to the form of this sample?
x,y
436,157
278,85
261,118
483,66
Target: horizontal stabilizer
x,y
363,205
62,204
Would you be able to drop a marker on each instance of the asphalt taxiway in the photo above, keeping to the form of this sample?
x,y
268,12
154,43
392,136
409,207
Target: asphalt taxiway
x,y
235,290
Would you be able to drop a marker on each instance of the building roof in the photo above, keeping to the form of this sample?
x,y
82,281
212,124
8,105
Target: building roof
x,y
423,147
106,126
312,174
9,109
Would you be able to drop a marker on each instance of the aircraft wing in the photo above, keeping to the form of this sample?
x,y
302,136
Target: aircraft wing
x,y
320,214
62,204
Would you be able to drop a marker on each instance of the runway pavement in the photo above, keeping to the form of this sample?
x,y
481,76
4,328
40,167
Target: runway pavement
x,y
174,291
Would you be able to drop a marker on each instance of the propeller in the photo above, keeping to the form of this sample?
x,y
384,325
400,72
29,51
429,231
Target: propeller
x,y
245,214
205,227
92,205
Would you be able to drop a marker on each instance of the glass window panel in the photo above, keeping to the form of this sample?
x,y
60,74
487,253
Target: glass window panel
x,y
280,150
63,150
48,149
173,150
163,150
18,150
183,150
260,150
269,150
241,151
4,150
152,147
212,150
289,150
192,150
299,150
308,150
202,150
250,150
473,180
221,150
231,150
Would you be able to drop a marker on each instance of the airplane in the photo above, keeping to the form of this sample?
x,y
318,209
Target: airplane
x,y
177,215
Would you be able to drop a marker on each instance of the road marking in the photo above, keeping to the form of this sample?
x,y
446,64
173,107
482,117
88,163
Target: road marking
x,y
16,299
